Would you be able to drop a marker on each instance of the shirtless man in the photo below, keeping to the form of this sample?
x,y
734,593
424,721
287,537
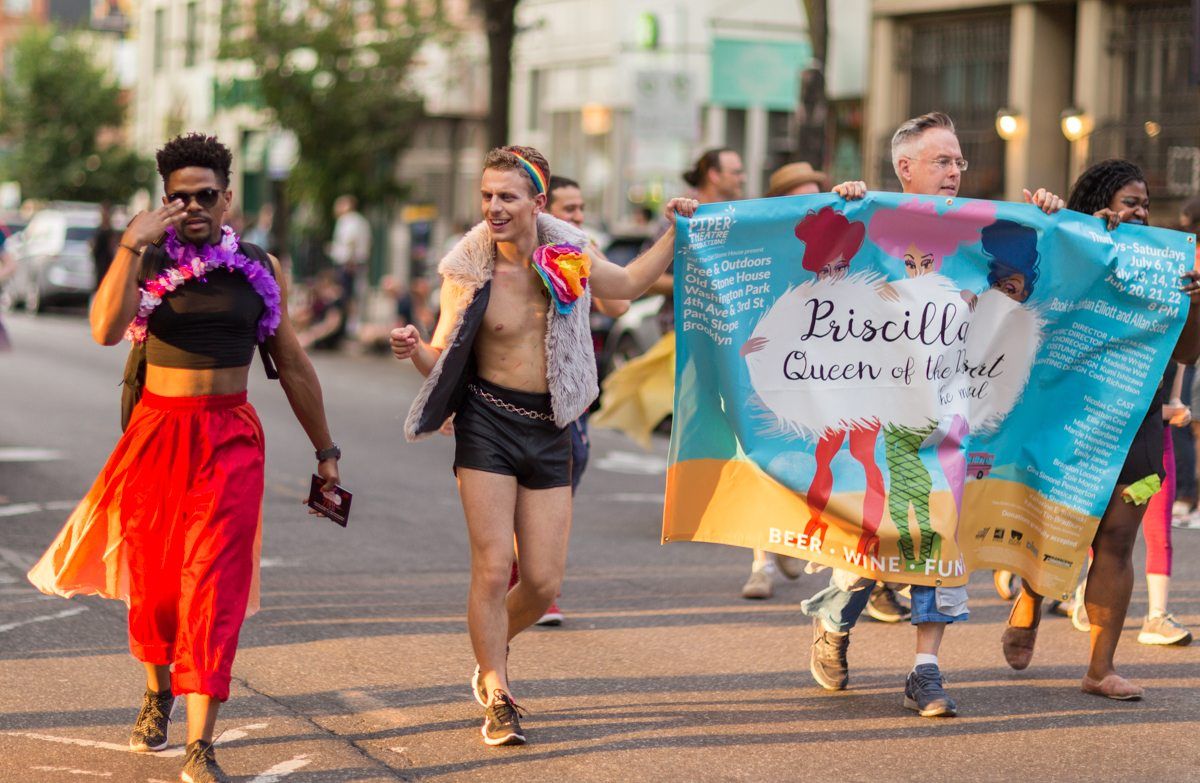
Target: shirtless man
x,y
512,360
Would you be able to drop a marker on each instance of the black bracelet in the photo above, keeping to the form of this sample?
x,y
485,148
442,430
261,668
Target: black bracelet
x,y
331,452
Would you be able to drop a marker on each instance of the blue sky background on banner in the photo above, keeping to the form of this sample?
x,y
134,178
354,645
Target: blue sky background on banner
x,y
714,421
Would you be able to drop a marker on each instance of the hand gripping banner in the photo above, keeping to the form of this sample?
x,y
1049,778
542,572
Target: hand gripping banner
x,y
913,387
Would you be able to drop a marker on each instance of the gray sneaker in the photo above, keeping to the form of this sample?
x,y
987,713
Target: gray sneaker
x,y
1164,629
150,728
884,606
828,660
200,765
759,586
924,694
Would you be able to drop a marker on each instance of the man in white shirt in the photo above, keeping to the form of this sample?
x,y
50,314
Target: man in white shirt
x,y
350,248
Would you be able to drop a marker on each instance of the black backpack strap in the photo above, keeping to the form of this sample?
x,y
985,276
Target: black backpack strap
x,y
256,253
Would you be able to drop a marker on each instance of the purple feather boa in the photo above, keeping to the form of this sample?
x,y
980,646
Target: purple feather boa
x,y
192,263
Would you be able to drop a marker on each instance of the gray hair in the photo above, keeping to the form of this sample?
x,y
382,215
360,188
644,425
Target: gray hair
x,y
911,130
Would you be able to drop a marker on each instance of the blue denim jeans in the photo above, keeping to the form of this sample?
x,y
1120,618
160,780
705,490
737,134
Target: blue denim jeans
x,y
840,609
925,608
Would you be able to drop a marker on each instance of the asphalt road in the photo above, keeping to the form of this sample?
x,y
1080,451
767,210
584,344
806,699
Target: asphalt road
x,y
357,667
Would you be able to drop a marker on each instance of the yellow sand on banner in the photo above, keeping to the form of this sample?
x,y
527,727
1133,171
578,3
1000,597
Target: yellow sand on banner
x,y
734,502
1022,531
640,394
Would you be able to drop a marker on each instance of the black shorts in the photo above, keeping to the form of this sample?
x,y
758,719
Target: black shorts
x,y
1145,457
490,436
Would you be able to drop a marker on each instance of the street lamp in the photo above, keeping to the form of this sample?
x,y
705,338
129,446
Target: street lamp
x,y
1076,124
1008,123
596,119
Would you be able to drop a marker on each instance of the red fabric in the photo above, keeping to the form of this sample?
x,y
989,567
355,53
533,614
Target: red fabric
x,y
1156,521
171,525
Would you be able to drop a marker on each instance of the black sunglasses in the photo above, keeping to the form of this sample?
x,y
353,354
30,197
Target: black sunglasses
x,y
206,198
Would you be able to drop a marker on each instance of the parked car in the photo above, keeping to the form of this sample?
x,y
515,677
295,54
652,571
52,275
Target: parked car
x,y
54,258
617,341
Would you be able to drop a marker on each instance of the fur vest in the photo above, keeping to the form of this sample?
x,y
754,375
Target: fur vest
x,y
570,358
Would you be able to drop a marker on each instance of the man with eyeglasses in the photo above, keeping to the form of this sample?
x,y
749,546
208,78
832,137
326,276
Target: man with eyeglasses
x,y
929,161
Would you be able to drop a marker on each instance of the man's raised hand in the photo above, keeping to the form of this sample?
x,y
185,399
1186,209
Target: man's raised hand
x,y
147,227
405,341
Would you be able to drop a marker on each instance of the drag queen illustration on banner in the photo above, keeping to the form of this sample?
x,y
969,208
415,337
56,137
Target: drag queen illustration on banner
x,y
916,234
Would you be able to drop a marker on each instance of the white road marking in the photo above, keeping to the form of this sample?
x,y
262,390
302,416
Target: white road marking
x,y
282,770
241,732
274,562
18,509
18,560
637,497
20,454
228,735
27,600
44,618
632,462
71,771
71,741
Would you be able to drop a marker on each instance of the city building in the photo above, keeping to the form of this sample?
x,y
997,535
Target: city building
x,y
623,96
1067,83
183,84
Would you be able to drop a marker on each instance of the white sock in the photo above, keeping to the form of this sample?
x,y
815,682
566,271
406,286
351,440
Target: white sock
x,y
923,658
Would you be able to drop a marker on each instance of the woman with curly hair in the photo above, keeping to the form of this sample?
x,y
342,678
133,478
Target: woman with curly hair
x,y
1116,192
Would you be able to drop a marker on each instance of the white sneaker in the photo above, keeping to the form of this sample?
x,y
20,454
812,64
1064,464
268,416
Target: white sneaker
x,y
1079,617
759,586
1164,629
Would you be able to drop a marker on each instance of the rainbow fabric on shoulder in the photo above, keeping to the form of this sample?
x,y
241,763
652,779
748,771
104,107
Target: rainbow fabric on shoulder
x,y
564,270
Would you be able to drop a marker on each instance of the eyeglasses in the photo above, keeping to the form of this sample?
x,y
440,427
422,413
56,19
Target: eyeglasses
x,y
206,198
944,162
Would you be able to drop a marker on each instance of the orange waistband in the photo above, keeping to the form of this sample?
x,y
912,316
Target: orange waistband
x,y
200,402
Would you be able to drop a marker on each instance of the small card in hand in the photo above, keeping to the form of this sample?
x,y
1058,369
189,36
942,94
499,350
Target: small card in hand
x,y
334,504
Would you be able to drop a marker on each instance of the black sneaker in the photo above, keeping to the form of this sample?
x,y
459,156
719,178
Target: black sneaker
x,y
924,694
150,728
501,723
885,607
200,765
828,661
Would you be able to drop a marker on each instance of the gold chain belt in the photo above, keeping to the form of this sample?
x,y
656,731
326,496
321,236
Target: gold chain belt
x,y
508,406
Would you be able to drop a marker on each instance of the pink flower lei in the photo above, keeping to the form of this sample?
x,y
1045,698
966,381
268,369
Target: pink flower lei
x,y
193,262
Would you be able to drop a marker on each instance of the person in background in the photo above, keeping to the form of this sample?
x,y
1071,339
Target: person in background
x,y
793,179
104,243
8,265
324,324
260,232
565,202
350,251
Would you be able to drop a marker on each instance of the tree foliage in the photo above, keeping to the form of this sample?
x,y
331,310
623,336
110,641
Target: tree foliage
x,y
56,106
336,75
501,24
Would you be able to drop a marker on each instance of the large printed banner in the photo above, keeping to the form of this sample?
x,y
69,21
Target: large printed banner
x,y
913,387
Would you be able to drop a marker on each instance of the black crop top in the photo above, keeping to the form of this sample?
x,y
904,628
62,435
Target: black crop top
x,y
206,325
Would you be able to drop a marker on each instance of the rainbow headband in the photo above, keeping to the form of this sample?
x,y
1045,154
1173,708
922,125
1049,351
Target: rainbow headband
x,y
535,174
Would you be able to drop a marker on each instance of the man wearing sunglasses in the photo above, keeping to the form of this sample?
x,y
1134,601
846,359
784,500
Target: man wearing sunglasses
x,y
172,523
928,160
